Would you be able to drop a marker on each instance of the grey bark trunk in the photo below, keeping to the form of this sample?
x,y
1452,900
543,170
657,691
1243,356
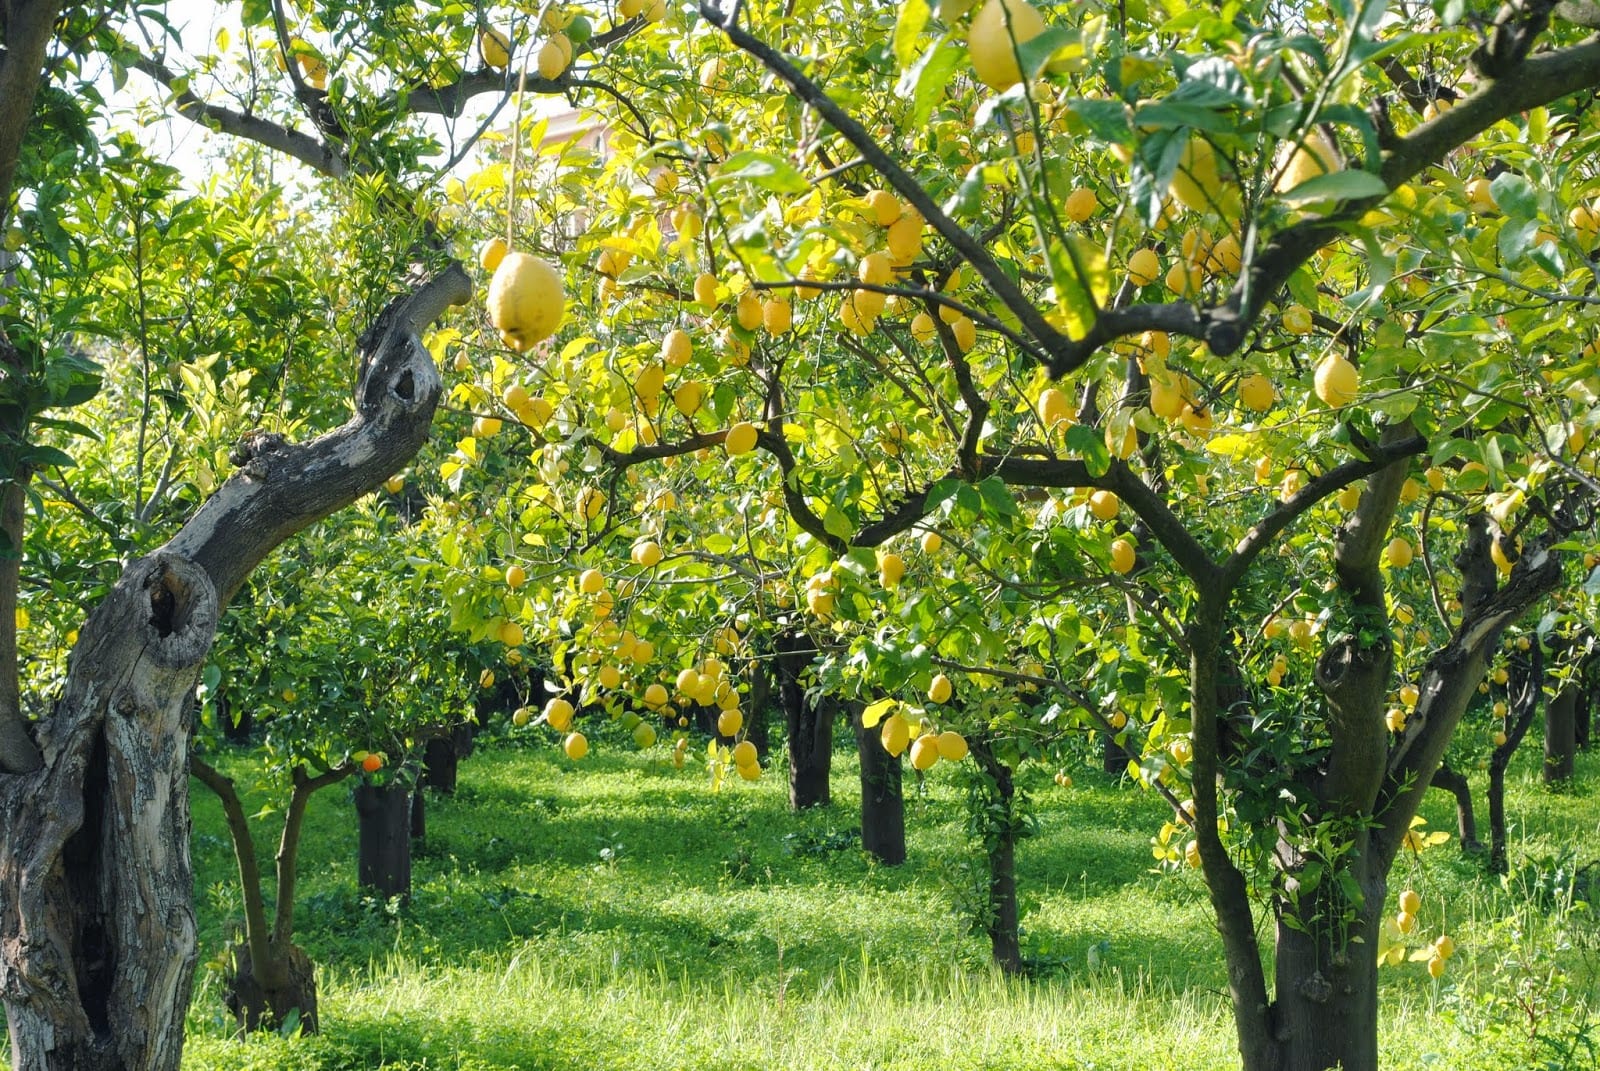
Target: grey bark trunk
x,y
97,924
1326,1008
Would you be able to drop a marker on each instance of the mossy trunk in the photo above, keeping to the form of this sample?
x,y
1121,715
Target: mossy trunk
x,y
999,829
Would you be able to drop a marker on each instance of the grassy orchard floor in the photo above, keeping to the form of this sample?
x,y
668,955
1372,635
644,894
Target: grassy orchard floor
x,y
617,914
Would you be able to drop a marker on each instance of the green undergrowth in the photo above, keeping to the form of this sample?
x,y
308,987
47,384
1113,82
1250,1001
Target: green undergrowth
x,y
616,913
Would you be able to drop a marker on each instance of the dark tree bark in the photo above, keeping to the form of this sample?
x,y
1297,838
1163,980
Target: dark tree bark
x,y
883,808
1526,694
419,816
97,938
441,756
1561,735
1455,783
758,706
1001,823
809,722
1114,758
384,858
1327,985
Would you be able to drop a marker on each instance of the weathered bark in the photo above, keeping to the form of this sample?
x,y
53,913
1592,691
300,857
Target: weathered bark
x,y
97,924
1448,779
1001,823
1561,735
1326,1011
97,942
883,806
384,856
809,721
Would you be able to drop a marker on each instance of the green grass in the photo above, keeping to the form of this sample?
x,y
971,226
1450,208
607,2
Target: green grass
x,y
618,914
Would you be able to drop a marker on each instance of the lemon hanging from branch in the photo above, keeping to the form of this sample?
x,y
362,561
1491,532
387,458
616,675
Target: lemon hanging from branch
x,y
526,300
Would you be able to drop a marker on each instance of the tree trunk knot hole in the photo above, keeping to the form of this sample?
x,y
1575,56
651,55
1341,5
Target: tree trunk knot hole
x,y
405,388
254,443
1315,988
170,600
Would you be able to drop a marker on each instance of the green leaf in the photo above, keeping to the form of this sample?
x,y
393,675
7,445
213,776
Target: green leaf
x,y
837,523
1338,186
913,19
766,170
924,82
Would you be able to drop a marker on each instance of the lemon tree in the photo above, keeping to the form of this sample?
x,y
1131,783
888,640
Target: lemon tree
x,y
1314,325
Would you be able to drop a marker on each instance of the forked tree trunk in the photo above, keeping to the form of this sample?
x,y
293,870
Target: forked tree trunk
x,y
809,722
384,856
883,805
269,982
97,933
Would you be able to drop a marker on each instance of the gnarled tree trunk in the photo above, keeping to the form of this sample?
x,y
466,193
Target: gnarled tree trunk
x,y
97,936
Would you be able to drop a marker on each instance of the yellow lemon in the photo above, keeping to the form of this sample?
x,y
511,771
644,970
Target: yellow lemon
x,y
526,300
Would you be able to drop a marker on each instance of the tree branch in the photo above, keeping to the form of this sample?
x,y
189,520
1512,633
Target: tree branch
x,y
257,936
289,846
282,487
316,155
28,26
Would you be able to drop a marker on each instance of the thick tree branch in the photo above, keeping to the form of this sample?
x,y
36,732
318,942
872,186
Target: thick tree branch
x,y
282,487
1265,531
1448,684
308,150
1354,672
